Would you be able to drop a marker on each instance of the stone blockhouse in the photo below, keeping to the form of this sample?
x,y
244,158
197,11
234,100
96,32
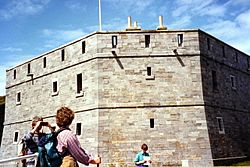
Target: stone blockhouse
x,y
183,92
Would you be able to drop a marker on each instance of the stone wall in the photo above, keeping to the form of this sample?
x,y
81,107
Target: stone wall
x,y
37,99
172,96
179,133
231,103
119,95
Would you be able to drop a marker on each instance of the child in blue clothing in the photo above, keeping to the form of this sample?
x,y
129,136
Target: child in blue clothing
x,y
142,158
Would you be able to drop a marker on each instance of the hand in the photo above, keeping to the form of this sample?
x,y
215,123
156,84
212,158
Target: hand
x,y
37,127
39,123
52,128
142,162
96,161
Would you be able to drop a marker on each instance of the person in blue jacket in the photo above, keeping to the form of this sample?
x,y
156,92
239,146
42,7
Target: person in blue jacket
x,y
142,158
31,139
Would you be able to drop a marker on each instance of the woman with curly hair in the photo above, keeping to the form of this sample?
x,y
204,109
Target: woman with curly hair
x,y
68,144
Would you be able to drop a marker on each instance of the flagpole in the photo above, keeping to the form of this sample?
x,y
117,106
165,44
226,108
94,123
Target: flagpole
x,y
100,16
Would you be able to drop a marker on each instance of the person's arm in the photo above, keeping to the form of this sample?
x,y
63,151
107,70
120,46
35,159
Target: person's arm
x,y
51,128
27,136
150,161
73,146
35,129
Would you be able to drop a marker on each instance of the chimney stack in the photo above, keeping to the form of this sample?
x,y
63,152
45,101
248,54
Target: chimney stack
x,y
130,28
135,25
161,26
129,22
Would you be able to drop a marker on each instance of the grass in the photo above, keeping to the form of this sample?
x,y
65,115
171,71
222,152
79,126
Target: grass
x,y
245,163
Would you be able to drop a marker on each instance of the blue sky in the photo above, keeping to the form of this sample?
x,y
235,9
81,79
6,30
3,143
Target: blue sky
x,y
29,28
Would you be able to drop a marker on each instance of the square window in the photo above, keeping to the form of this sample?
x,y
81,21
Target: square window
x,y
79,83
54,86
83,47
152,123
62,54
14,74
208,44
147,41
236,57
29,68
16,136
55,89
233,81
18,98
44,62
214,80
220,125
180,40
248,63
223,51
78,129
114,41
149,75
149,72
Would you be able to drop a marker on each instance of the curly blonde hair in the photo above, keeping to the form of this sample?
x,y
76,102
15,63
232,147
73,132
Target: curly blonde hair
x,y
64,117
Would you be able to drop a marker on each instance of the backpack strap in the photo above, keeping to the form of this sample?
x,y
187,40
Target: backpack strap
x,y
60,130
65,151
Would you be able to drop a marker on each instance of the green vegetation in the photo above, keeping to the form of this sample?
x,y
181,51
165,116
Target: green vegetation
x,y
246,163
2,100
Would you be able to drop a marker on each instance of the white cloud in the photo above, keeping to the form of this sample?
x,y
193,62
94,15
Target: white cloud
x,y
11,49
116,24
140,5
223,28
131,6
58,37
112,25
184,12
233,32
63,35
243,19
75,6
180,22
198,8
13,60
238,2
23,7
221,19
213,10
179,11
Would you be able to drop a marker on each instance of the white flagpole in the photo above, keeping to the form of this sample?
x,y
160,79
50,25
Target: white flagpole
x,y
100,16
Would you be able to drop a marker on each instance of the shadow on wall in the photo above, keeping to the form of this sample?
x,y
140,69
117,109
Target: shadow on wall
x,y
2,113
